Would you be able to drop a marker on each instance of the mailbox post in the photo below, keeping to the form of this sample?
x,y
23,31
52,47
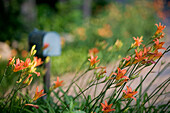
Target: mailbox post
x,y
40,39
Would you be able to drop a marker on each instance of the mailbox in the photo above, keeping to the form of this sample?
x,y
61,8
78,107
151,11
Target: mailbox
x,y
40,38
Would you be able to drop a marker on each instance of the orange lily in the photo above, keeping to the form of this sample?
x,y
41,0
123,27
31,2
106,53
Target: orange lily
x,y
24,53
32,69
106,107
161,36
139,56
120,74
37,73
37,61
129,93
27,79
27,62
159,28
137,41
38,94
146,50
159,45
120,83
58,83
19,65
93,60
128,58
155,55
32,105
93,51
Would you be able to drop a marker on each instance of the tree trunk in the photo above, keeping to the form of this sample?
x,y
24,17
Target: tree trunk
x,y
28,12
87,8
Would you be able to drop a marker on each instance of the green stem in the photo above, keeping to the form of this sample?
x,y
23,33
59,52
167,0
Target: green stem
x,y
144,80
4,74
76,80
158,97
156,77
160,87
95,89
86,89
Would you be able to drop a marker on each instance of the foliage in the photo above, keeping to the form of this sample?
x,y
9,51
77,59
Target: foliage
x,y
68,14
81,101
110,25
10,20
110,30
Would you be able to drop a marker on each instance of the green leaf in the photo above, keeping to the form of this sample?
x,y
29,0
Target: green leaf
x,y
56,95
71,105
41,109
61,90
51,110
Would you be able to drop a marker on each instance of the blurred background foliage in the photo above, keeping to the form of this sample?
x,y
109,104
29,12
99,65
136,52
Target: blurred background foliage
x,y
82,24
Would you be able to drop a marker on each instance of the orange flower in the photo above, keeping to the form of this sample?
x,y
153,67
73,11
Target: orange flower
x,y
37,61
93,60
159,28
137,41
120,74
146,50
139,56
159,45
24,53
19,65
106,107
37,73
32,105
27,79
14,52
38,94
129,93
93,51
46,45
120,83
81,32
58,83
128,58
161,36
105,31
155,55
27,62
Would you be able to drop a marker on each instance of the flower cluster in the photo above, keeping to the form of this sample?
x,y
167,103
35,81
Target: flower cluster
x,y
142,56
105,31
147,55
27,67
